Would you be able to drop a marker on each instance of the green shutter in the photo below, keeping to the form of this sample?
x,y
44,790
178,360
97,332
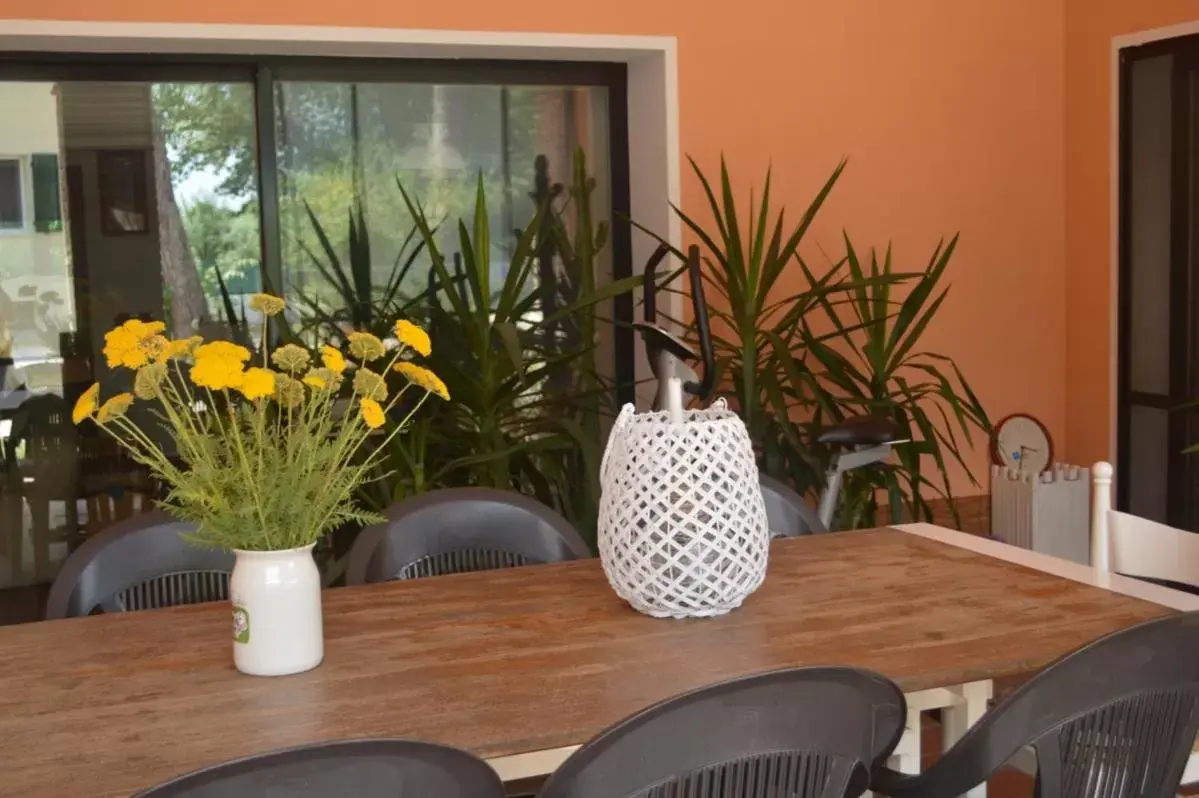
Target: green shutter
x,y
47,209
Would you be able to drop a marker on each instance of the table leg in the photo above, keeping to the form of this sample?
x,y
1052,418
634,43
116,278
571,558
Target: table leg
x,y
957,719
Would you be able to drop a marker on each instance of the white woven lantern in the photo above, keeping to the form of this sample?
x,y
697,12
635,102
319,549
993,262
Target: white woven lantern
x,y
682,525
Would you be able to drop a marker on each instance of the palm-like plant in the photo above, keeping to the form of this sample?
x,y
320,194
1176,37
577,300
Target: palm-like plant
x,y
505,422
359,305
876,366
790,376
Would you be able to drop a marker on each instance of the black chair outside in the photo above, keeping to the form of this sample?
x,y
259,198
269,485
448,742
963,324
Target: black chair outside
x,y
359,768
456,530
48,471
1115,719
138,564
787,514
796,733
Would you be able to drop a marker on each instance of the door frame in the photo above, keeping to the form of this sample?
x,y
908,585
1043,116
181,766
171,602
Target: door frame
x,y
1118,448
652,94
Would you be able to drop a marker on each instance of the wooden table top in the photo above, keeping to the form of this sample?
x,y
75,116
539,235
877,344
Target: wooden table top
x,y
507,662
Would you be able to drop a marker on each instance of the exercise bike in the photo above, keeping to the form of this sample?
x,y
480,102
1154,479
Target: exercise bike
x,y
863,440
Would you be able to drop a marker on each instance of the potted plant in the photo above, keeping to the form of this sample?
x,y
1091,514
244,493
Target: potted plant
x,y
267,457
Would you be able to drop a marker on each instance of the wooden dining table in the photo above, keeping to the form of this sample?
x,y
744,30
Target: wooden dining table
x,y
510,663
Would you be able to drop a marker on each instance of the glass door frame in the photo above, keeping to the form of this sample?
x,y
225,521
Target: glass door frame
x,y
1181,469
263,72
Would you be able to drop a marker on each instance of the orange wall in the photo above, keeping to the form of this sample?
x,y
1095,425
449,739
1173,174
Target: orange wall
x,y
950,112
1090,27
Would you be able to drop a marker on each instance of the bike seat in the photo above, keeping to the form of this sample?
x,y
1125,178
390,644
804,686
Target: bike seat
x,y
859,431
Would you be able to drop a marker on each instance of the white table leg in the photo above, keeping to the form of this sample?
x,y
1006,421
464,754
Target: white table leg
x,y
957,719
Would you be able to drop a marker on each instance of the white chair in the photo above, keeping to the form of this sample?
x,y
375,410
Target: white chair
x,y
1132,546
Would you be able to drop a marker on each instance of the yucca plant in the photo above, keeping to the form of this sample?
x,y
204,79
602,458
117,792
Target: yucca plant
x,y
359,304
754,328
790,375
876,365
505,424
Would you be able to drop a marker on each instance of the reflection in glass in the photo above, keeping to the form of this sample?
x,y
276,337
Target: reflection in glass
x,y
118,200
342,148
139,199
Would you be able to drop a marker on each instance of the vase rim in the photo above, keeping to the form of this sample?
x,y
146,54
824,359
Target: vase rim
x,y
268,552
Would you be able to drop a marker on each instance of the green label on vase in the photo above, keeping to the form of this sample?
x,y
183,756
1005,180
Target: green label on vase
x,y
241,624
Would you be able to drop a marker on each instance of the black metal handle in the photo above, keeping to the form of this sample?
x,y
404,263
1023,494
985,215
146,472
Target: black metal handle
x,y
649,285
700,305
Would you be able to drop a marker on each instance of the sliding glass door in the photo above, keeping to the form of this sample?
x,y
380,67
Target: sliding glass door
x,y
174,191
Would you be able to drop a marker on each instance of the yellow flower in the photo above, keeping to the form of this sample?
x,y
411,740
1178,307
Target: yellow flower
x,y
267,304
372,414
116,406
177,349
86,405
223,349
366,347
369,384
424,378
291,358
288,390
149,376
332,359
411,335
130,344
257,383
322,379
217,373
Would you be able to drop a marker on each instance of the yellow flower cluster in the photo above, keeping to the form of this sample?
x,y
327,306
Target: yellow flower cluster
x,y
366,347
222,366
412,336
116,406
173,350
267,304
424,378
257,383
133,343
372,413
219,365
291,358
86,406
333,359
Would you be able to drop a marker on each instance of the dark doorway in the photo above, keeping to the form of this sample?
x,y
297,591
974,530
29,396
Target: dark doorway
x,y
1158,338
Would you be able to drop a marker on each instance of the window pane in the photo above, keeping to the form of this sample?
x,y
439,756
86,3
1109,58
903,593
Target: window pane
x,y
47,206
140,195
1150,225
343,147
11,215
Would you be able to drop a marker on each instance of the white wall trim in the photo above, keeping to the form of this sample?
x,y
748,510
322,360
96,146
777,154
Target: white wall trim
x,y
1118,44
653,95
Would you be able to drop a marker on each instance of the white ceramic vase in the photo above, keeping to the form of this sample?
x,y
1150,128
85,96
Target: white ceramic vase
x,y
276,597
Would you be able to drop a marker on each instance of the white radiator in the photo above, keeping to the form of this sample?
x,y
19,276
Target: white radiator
x,y
1049,512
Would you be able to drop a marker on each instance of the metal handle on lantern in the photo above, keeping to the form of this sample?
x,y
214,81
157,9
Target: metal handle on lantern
x,y
649,284
700,305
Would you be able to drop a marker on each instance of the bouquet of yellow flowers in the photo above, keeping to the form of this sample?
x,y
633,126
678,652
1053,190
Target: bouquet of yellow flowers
x,y
265,458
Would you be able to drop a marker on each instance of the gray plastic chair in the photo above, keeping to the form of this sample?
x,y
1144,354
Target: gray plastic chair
x,y
787,514
796,733
1115,719
138,564
456,530
361,768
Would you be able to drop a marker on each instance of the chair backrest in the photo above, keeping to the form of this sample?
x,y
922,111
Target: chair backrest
x,y
787,514
799,732
43,425
362,768
1115,719
137,564
461,529
1133,546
